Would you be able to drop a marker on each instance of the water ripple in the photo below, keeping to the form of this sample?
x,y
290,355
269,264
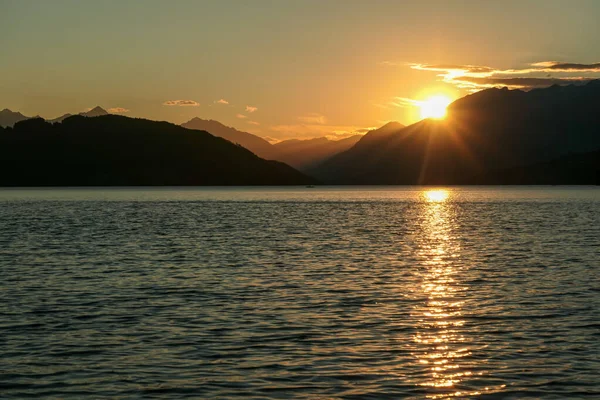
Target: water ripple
x,y
350,294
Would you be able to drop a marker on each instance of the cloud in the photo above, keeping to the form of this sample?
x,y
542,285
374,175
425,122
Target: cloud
x,y
539,74
181,103
117,110
251,109
241,116
222,101
313,118
405,102
472,69
253,123
560,66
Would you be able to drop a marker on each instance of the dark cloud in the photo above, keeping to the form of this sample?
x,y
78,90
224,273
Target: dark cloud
x,y
558,66
522,82
540,74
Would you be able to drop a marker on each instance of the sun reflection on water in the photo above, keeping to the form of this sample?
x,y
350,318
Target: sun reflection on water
x,y
436,196
440,344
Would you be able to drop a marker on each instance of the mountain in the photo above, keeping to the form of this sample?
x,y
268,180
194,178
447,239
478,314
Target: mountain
x,y
9,118
306,154
94,112
300,154
573,169
255,144
59,119
381,133
487,132
115,150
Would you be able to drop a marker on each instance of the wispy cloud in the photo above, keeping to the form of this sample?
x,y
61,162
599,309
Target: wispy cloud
x,y
539,74
253,123
453,68
117,110
222,101
313,118
251,109
405,102
241,116
182,103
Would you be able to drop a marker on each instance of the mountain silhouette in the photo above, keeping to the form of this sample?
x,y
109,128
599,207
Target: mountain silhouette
x,y
114,150
381,133
300,154
94,112
59,119
9,118
573,169
485,135
306,154
255,144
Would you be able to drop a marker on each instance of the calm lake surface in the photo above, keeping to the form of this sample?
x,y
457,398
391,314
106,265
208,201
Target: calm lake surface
x,y
324,293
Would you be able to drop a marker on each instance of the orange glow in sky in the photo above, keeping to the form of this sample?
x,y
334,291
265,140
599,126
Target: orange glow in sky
x,y
340,69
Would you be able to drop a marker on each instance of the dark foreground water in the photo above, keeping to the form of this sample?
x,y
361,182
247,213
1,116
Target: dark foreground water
x,y
350,293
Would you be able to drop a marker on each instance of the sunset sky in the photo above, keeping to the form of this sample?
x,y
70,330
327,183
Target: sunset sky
x,y
280,68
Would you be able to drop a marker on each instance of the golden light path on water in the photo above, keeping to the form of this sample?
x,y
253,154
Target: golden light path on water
x,y
440,345
436,195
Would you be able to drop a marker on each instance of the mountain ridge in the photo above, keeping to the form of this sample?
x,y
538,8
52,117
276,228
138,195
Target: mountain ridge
x,y
302,154
255,144
8,118
308,153
491,130
121,151
94,112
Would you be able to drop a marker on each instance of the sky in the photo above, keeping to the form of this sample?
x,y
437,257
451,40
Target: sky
x,y
285,68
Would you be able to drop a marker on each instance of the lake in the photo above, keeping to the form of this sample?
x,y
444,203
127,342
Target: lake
x,y
279,293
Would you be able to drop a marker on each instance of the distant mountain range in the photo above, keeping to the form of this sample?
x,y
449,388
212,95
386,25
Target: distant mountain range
x,y
300,154
255,144
307,154
8,118
495,136
94,112
113,150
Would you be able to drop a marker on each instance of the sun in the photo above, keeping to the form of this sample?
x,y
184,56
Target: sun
x,y
434,107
